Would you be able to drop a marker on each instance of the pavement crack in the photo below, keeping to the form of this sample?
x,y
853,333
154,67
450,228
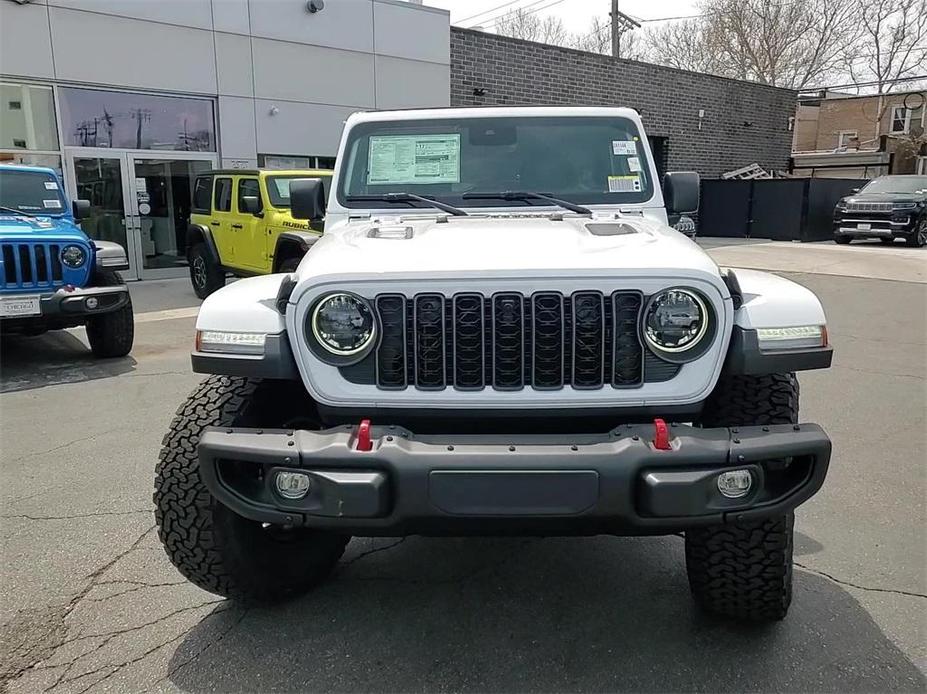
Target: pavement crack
x,y
850,584
26,516
62,446
360,556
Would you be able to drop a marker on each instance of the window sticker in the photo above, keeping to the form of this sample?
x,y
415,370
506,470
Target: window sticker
x,y
634,164
624,148
52,204
51,185
414,159
624,184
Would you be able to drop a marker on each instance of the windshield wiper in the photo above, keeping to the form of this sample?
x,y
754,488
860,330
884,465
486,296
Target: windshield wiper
x,y
408,197
529,195
3,208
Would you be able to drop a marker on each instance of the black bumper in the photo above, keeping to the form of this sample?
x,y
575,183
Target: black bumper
x,y
617,483
75,305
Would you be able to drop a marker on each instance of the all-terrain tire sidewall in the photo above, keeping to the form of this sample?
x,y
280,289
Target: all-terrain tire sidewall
x,y
206,276
208,543
744,570
111,334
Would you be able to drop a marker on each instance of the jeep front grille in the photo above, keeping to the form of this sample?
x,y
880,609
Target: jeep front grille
x,y
31,265
869,207
510,341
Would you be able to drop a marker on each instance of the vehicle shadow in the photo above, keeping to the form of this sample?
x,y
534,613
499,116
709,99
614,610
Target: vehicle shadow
x,y
551,615
51,359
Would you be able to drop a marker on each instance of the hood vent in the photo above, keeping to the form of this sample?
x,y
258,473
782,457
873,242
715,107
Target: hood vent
x,y
396,232
610,228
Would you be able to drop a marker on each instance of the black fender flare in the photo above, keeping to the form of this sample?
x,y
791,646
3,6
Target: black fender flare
x,y
292,244
197,233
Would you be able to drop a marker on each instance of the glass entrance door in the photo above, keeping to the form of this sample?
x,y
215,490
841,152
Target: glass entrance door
x,y
160,203
139,200
101,178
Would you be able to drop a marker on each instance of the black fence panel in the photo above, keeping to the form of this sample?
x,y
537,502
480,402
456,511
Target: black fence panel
x,y
823,194
790,209
777,209
724,209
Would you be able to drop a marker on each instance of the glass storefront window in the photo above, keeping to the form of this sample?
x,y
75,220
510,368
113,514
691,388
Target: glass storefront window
x,y
52,161
96,118
27,118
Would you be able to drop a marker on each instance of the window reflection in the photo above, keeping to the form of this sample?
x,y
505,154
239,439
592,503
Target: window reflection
x,y
27,118
96,118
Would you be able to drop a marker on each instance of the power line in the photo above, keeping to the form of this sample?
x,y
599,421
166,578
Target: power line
x,y
873,83
489,11
524,8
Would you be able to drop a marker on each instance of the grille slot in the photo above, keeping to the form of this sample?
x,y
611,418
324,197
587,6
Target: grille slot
x,y
428,338
31,265
510,341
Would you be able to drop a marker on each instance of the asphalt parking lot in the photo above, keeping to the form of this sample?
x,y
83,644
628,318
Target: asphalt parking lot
x,y
89,602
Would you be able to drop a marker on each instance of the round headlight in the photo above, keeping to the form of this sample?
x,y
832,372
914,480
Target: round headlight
x,y
343,324
73,256
676,320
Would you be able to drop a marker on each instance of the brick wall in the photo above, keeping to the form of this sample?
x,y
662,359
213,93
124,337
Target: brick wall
x,y
515,72
860,114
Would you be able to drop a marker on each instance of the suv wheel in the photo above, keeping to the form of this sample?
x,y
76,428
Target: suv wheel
x,y
838,238
919,238
205,276
289,265
744,570
209,544
111,334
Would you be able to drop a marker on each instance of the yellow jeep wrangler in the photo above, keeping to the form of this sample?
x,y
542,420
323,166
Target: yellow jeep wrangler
x,y
240,223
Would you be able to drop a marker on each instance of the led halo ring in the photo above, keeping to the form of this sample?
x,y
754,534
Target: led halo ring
x,y
325,345
703,329
69,251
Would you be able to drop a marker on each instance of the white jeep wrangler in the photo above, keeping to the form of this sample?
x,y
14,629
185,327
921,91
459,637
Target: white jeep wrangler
x,y
497,334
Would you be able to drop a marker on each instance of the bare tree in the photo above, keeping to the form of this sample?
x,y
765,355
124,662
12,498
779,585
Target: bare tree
x,y
598,39
522,24
892,43
788,43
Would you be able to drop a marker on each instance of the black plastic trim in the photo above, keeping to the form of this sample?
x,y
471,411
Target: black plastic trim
x,y
276,363
744,356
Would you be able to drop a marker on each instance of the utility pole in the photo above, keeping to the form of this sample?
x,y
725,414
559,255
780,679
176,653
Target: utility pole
x,y
620,24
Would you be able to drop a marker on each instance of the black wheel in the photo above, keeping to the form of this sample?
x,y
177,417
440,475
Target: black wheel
x,y
111,334
210,545
205,275
919,238
744,570
289,264
842,239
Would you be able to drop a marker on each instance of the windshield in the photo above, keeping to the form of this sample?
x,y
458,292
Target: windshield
x,y
32,192
897,184
584,160
278,188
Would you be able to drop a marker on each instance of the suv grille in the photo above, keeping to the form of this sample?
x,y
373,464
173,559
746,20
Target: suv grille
x,y
510,341
31,265
869,207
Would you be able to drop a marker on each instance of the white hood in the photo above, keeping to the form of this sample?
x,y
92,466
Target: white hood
x,y
509,246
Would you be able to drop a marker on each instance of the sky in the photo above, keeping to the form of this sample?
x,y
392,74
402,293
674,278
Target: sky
x,y
575,14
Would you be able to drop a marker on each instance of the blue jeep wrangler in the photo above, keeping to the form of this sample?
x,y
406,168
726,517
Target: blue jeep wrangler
x,y
53,276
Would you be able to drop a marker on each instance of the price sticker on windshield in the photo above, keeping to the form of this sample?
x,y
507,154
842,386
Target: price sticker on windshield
x,y
417,159
624,184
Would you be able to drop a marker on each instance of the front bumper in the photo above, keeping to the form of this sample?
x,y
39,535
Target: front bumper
x,y
617,483
878,227
75,304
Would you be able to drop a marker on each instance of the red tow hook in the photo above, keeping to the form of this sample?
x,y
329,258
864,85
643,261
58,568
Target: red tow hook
x,y
661,436
364,442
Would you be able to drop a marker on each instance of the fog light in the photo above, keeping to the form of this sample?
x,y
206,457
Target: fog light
x,y
735,484
292,485
91,302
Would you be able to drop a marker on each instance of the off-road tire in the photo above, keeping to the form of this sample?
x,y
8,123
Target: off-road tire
x,y
111,334
205,275
211,545
842,239
744,570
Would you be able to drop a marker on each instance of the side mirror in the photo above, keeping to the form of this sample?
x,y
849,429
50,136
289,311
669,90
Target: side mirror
x,y
307,199
251,203
80,209
681,192
855,190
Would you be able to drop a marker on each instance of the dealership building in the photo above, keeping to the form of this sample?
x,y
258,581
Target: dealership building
x,y
129,99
